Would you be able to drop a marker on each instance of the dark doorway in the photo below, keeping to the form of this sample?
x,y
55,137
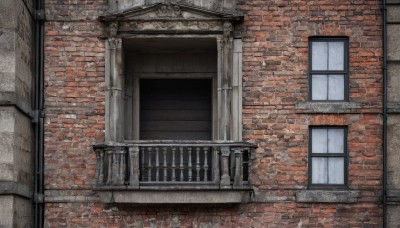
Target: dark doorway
x,y
175,109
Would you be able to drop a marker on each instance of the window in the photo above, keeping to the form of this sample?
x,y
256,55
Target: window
x,y
328,69
328,156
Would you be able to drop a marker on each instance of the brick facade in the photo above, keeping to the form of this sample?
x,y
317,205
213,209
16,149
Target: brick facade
x,y
275,92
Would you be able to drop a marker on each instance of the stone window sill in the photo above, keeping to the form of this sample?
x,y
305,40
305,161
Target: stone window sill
x,y
327,107
327,196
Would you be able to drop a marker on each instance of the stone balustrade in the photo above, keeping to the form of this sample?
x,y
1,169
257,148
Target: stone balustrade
x,y
182,164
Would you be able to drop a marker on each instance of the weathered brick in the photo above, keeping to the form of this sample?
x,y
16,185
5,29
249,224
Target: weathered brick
x,y
275,68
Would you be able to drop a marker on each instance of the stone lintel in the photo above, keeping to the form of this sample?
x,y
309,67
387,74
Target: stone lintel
x,y
327,196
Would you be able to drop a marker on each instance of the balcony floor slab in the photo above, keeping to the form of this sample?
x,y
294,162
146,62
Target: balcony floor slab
x,y
175,197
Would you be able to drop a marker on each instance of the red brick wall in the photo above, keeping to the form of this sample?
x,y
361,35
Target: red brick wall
x,y
273,31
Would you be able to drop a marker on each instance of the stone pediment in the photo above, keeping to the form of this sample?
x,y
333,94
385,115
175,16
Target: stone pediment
x,y
169,11
168,18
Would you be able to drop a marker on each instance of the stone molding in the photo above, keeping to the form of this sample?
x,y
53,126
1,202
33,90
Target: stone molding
x,y
15,188
393,196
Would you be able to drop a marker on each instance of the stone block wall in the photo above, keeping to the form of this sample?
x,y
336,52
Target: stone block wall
x,y
16,138
276,117
393,121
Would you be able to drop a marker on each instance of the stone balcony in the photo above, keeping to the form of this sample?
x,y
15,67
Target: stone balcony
x,y
173,172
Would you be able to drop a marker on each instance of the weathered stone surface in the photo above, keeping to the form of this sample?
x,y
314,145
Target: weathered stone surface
x,y
15,149
393,218
393,151
15,188
392,1
328,107
16,51
393,74
7,14
7,51
393,14
15,212
393,44
15,132
326,196
184,197
6,211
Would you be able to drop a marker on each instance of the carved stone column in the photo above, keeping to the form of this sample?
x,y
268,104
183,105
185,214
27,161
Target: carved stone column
x,y
225,60
114,90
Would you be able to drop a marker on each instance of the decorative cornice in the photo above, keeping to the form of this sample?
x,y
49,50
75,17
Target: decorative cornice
x,y
170,11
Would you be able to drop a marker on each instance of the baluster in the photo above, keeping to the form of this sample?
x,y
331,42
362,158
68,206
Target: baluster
x,y
181,162
122,168
165,163
238,169
197,164
149,164
205,167
109,169
115,170
215,164
173,164
190,164
142,169
157,165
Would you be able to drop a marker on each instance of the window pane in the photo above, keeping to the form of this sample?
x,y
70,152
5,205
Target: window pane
x,y
319,87
336,87
336,55
319,56
319,140
335,140
319,171
336,170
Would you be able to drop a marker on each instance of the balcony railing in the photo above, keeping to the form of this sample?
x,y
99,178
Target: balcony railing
x,y
173,165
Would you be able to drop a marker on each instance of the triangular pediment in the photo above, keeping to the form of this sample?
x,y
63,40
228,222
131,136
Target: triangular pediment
x,y
169,11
